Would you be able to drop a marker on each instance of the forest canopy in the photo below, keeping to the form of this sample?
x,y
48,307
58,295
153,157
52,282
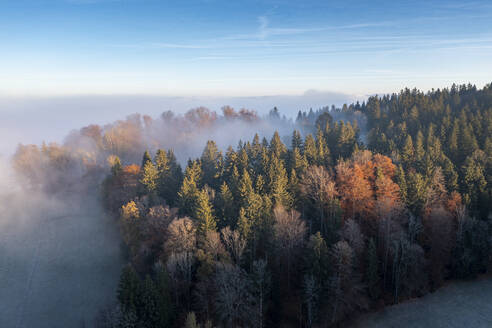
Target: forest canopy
x,y
307,221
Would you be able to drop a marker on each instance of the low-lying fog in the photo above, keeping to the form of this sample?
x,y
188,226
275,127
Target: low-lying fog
x,y
59,257
34,119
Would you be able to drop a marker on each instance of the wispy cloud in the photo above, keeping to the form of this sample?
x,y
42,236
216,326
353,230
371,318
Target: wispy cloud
x,y
162,45
265,31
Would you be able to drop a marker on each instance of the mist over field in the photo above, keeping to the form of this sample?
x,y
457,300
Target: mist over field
x,y
59,256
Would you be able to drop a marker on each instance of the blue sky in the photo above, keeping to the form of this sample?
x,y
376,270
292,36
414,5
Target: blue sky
x,y
241,48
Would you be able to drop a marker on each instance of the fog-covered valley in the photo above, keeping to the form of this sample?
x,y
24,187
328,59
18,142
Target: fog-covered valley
x,y
60,257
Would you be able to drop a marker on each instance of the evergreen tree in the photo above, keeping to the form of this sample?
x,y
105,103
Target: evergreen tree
x,y
211,161
296,140
129,290
279,183
203,213
276,146
402,183
146,158
310,150
407,154
322,151
116,166
164,304
189,192
149,178
226,206
297,162
148,313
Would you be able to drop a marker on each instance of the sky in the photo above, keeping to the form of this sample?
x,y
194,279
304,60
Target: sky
x,y
241,48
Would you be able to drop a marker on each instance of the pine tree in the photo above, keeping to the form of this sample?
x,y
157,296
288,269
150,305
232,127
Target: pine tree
x,y
226,206
419,149
416,192
162,162
128,290
297,162
402,183
310,150
317,259
116,166
211,160
164,304
322,151
149,178
146,158
408,153
203,213
171,182
189,192
276,146
293,188
279,183
296,140
149,311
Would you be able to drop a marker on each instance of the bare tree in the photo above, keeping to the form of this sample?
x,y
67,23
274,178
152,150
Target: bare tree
x,y
180,268
311,295
318,186
213,245
181,236
233,298
345,286
234,243
289,234
352,234
439,231
260,278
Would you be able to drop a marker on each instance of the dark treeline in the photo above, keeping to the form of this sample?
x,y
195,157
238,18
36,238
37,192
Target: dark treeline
x,y
363,206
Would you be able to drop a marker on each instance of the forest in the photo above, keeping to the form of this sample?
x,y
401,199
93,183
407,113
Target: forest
x,y
306,223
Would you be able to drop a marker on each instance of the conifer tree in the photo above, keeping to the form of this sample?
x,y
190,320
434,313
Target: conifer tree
x,y
203,213
226,206
211,161
297,162
129,290
116,166
146,158
276,146
149,178
296,140
323,153
310,150
279,183
407,153
164,304
189,192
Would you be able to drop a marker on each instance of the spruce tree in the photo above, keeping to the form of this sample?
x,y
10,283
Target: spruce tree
x,y
146,158
189,192
128,290
310,150
203,213
149,178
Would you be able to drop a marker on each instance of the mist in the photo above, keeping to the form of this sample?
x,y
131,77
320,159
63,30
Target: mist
x,y
31,119
60,255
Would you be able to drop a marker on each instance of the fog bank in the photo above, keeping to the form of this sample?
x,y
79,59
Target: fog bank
x,y
59,257
30,120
